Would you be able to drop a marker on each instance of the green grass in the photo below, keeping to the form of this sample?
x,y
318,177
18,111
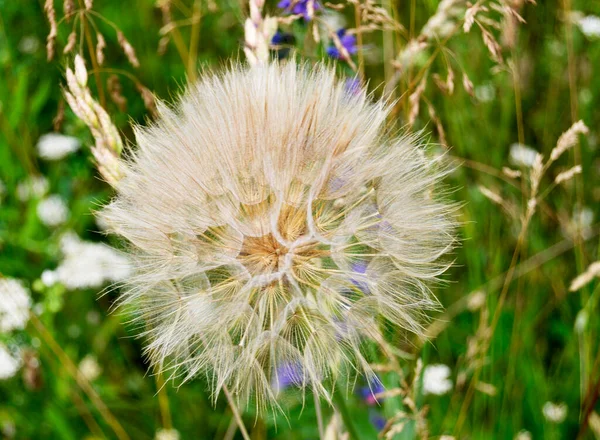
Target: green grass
x,y
535,354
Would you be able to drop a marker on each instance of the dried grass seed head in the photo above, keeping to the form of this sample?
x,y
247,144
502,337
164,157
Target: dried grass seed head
x,y
273,222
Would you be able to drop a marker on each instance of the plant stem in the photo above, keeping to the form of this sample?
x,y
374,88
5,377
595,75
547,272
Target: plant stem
x,y
319,415
194,39
83,383
236,413
340,405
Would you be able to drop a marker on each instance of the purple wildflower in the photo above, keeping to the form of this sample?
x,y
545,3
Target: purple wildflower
x,y
368,392
300,7
348,42
360,281
352,86
282,40
377,420
287,374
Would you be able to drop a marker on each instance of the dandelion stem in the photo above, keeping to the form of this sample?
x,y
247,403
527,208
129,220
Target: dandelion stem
x,y
163,402
236,413
340,405
319,416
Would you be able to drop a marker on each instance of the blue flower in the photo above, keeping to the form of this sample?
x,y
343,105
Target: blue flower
x,y
348,42
282,39
299,7
352,86
368,392
360,281
377,420
289,373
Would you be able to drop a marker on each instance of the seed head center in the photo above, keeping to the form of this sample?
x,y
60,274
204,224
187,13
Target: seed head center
x,y
262,255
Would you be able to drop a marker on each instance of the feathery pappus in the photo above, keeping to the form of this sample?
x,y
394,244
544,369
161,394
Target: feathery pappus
x,y
274,222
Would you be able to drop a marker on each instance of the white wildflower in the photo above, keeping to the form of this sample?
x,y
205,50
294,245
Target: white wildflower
x,y
15,304
523,435
590,26
522,156
89,368
273,223
29,44
167,434
436,379
55,146
9,365
32,188
49,278
485,92
53,211
584,217
88,264
555,412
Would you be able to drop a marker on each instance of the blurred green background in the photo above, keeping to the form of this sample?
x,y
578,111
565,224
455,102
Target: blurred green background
x,y
545,347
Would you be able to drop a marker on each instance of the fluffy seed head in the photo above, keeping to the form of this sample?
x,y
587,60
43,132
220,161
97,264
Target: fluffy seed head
x,y
274,224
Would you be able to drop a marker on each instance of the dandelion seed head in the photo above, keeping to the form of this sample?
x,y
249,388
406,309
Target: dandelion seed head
x,y
272,221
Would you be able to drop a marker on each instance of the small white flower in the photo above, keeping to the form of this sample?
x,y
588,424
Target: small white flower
x,y
436,379
89,368
49,278
33,187
15,304
590,26
522,155
167,434
9,365
53,211
89,265
523,435
29,44
485,92
555,412
54,146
